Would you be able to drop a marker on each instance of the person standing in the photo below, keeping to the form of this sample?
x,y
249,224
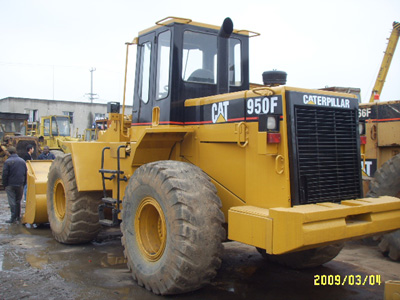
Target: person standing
x,y
27,156
14,180
46,154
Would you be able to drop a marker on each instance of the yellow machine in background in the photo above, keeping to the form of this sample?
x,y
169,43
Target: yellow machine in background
x,y
13,132
53,131
387,60
381,143
381,161
278,167
91,134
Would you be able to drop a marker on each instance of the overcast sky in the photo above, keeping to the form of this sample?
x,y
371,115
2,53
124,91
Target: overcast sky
x,y
47,47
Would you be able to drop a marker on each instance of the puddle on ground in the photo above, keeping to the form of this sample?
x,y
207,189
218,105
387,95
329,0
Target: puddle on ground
x,y
113,260
36,261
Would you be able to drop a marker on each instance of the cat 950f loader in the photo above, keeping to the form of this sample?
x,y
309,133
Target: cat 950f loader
x,y
205,156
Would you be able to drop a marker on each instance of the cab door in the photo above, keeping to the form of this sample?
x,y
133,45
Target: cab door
x,y
145,80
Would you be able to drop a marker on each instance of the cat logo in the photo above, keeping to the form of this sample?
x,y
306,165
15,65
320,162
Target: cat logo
x,y
219,112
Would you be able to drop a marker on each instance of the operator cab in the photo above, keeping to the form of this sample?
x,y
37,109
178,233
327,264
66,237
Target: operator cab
x,y
56,126
179,59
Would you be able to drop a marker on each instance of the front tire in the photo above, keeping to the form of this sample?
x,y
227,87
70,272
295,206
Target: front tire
x,y
172,227
73,215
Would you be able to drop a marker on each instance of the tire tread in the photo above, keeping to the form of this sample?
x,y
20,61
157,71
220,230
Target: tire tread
x,y
193,198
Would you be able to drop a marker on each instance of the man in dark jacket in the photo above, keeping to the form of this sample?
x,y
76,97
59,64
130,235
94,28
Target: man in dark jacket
x,y
46,155
14,179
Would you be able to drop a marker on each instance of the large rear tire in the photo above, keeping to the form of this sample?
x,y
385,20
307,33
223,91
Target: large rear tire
x,y
172,227
73,215
307,258
57,153
386,182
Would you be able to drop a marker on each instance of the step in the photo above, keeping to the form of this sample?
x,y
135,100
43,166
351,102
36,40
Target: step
x,y
109,200
111,171
108,223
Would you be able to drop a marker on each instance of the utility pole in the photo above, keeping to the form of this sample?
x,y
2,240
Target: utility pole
x,y
91,95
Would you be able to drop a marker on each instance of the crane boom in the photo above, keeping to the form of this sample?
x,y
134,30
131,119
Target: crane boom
x,y
387,59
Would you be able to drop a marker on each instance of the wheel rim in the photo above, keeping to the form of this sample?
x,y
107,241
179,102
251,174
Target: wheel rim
x,y
150,229
59,200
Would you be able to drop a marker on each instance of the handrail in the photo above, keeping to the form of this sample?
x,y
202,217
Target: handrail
x,y
118,178
102,174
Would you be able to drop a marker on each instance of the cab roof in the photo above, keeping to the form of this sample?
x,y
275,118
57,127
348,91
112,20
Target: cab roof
x,y
170,20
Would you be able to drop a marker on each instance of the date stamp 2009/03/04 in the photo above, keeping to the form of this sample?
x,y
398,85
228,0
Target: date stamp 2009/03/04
x,y
347,279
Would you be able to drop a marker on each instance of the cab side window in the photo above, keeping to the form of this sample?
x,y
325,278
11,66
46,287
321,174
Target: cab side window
x,y
46,130
163,64
235,70
144,75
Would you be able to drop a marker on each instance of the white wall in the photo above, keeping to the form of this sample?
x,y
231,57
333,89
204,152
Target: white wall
x,y
81,110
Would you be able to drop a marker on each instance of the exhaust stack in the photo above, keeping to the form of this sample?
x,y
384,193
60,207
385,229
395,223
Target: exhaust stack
x,y
223,56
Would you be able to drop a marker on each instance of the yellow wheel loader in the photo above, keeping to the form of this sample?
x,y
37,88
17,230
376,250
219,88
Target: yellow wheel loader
x,y
204,156
53,131
381,135
381,161
13,130
91,134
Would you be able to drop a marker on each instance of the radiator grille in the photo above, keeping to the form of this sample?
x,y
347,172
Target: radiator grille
x,y
328,162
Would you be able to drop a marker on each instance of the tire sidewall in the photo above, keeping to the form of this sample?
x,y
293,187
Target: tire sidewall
x,y
58,226
57,153
386,181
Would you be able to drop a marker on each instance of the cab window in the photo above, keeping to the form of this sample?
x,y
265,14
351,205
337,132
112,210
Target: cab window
x,y
46,130
235,70
163,64
199,57
144,75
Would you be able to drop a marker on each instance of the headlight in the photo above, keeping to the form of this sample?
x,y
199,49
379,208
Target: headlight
x,y
271,123
361,128
268,123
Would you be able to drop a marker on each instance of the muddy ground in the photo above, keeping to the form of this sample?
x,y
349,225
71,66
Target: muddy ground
x,y
34,266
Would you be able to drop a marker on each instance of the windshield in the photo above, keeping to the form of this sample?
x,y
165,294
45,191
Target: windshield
x,y
200,58
60,126
12,126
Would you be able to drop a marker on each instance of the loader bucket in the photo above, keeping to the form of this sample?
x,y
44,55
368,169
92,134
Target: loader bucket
x,y
36,200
